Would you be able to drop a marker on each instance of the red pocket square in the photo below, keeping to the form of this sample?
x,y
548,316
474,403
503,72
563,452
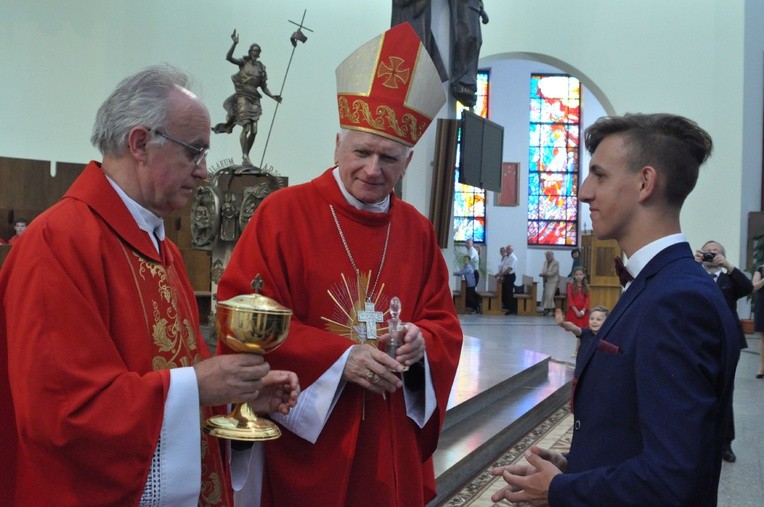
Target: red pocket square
x,y
608,348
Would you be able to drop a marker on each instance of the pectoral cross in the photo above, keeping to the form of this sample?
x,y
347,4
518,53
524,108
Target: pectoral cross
x,y
370,317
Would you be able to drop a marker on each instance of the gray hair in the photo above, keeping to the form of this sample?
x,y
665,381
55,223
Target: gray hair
x,y
140,99
343,132
721,247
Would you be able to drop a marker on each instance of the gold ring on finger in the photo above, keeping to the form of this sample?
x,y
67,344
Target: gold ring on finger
x,y
372,377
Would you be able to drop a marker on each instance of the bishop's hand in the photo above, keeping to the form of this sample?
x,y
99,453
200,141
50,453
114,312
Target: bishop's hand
x,y
412,345
372,369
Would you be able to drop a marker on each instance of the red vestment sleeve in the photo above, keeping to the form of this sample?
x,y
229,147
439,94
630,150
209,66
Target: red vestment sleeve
x,y
79,409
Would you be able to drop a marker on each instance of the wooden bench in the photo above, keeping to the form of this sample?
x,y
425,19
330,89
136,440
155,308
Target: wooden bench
x,y
487,300
491,301
460,298
527,301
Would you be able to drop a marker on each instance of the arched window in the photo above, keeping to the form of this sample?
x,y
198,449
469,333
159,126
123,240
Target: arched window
x,y
555,116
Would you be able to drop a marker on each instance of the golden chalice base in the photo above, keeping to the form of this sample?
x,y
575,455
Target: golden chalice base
x,y
242,424
253,331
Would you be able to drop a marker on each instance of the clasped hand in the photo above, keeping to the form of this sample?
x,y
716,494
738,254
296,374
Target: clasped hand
x,y
529,484
371,367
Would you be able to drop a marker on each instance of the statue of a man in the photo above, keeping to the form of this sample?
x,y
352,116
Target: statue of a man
x,y
243,107
466,16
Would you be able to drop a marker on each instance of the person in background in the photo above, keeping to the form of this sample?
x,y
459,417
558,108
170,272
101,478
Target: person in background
x,y
474,254
550,274
19,225
734,285
500,270
105,377
365,430
575,254
503,254
578,298
585,335
507,273
473,303
652,398
508,284
758,315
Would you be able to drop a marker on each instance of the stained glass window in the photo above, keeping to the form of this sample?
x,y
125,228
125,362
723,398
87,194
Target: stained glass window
x,y
469,202
555,115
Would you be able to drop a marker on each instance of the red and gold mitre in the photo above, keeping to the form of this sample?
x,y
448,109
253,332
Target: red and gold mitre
x,y
390,87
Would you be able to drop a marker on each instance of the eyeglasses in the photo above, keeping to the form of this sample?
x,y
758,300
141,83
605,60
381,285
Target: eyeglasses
x,y
197,154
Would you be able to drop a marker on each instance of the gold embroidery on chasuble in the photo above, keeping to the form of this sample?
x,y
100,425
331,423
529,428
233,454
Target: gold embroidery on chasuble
x,y
169,320
349,298
172,330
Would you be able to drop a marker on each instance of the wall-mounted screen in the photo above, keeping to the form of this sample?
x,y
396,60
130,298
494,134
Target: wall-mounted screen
x,y
481,147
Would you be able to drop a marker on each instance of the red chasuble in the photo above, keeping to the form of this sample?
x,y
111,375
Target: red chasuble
x,y
92,318
293,242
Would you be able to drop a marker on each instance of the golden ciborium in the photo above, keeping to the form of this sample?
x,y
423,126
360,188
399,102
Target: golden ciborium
x,y
256,324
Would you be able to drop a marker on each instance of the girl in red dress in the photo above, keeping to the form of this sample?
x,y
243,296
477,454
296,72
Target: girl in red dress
x,y
578,299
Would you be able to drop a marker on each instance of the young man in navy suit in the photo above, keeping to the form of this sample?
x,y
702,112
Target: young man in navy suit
x,y
651,400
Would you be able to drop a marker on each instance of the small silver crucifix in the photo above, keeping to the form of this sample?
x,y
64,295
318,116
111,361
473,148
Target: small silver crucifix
x,y
370,317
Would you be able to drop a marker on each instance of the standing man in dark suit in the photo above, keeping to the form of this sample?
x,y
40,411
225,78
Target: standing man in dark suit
x,y
734,285
651,400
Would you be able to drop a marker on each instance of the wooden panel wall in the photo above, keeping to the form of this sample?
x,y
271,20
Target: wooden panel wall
x,y
27,188
597,257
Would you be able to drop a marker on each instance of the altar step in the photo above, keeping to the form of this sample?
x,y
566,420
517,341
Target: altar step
x,y
490,411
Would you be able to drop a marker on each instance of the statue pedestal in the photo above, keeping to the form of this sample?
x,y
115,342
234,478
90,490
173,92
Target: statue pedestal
x,y
228,201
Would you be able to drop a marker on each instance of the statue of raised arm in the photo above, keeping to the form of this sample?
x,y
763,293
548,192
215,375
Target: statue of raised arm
x,y
243,107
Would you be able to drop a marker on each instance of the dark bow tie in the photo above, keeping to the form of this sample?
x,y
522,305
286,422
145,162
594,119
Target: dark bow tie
x,y
623,274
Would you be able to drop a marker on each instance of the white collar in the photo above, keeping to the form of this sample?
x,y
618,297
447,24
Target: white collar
x,y
378,207
641,257
145,219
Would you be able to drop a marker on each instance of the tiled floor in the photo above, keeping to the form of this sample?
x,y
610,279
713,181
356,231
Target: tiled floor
x,y
742,483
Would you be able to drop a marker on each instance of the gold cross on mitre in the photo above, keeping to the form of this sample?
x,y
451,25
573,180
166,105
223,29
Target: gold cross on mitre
x,y
394,72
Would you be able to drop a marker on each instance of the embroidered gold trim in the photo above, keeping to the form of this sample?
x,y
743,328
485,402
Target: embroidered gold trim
x,y
384,118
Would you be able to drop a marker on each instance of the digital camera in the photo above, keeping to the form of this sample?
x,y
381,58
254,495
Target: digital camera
x,y
708,256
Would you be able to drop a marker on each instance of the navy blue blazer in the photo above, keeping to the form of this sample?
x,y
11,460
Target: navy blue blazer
x,y
651,398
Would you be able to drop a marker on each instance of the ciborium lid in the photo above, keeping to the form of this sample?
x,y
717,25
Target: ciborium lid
x,y
255,303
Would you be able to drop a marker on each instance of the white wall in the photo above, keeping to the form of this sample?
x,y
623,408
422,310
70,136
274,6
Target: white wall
x,y
60,59
686,57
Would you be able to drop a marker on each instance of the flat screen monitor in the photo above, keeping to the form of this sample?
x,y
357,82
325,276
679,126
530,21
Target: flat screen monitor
x,y
481,148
